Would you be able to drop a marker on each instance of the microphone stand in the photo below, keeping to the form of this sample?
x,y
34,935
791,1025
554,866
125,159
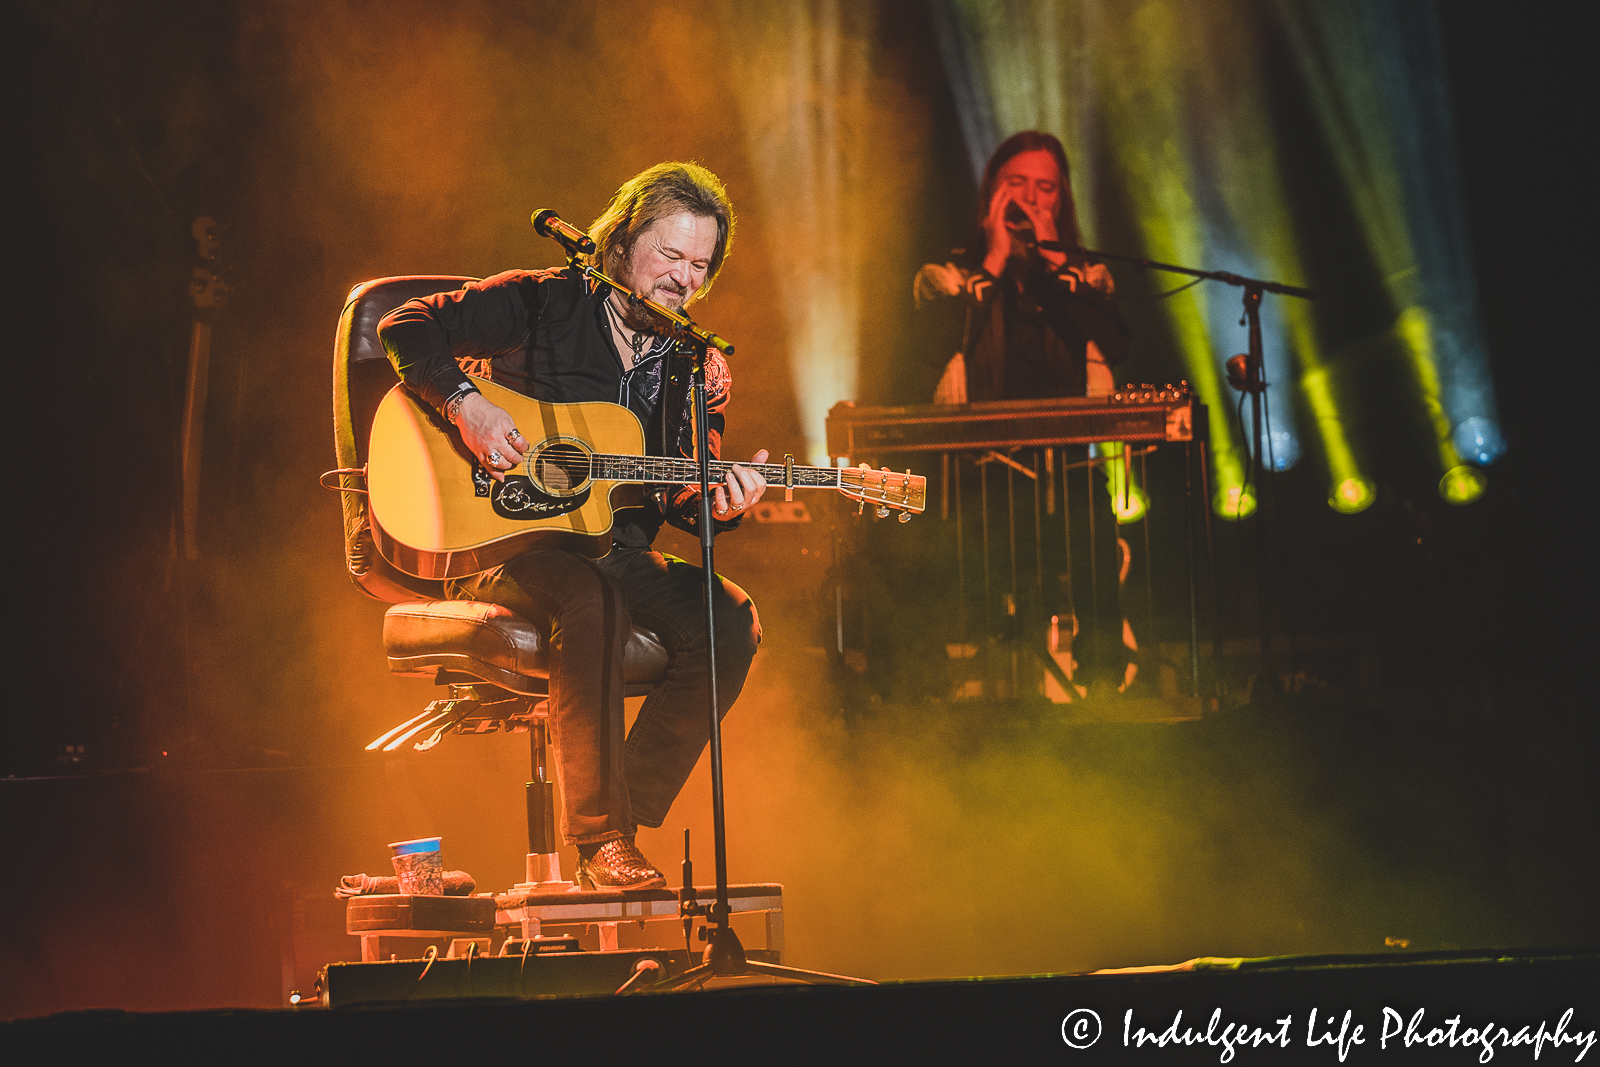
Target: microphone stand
x,y
1255,384
724,955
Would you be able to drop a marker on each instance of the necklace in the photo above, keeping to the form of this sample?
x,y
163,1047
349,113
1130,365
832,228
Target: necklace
x,y
635,340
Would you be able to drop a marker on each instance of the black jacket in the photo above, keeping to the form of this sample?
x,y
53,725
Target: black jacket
x,y
1062,315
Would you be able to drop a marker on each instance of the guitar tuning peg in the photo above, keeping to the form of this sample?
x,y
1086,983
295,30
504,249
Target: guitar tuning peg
x,y
905,516
861,508
883,512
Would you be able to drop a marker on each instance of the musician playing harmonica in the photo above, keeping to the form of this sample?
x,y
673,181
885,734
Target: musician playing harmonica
x,y
1039,323
551,335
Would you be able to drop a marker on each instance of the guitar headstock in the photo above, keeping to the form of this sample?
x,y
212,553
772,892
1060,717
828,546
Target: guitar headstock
x,y
906,493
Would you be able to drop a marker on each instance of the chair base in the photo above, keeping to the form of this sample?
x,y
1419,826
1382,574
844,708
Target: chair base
x,y
471,708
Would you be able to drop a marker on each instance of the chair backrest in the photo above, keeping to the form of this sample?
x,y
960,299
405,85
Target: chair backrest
x,y
362,375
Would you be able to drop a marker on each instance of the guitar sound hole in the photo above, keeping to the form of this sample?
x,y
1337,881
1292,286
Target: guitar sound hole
x,y
561,468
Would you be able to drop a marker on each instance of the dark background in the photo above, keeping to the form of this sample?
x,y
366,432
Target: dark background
x,y
176,729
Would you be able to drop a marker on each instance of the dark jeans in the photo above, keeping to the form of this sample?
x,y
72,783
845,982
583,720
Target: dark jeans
x,y
610,785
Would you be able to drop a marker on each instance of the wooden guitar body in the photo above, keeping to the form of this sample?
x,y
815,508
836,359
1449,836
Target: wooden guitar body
x,y
437,514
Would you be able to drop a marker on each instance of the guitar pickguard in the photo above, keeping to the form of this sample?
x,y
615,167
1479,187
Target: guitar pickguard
x,y
518,498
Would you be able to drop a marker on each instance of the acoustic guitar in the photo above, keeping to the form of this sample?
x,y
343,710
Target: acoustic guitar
x,y
436,513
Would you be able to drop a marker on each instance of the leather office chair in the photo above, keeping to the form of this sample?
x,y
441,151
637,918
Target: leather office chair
x,y
494,661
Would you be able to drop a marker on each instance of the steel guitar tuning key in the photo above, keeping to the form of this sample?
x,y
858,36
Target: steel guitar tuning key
x,y
905,516
883,512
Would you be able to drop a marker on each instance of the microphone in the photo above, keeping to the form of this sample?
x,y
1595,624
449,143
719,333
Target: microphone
x,y
546,223
1017,221
1024,239
1021,227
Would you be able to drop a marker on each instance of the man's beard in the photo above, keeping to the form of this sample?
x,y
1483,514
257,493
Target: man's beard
x,y
639,317
669,294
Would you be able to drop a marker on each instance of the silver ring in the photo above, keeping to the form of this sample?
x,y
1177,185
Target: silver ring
x,y
515,433
494,458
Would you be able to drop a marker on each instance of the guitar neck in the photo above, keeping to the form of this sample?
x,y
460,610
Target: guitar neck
x,y
661,470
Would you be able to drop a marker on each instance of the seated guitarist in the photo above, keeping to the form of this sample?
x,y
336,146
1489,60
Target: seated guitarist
x,y
549,335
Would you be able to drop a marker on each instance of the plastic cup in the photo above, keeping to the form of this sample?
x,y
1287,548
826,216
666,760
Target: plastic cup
x,y
419,865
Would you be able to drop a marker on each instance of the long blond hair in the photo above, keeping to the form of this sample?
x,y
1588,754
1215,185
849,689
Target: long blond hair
x,y
655,194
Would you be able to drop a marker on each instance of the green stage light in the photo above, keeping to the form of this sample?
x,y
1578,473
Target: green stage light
x,y
1353,495
1463,484
1235,502
1375,73
1130,508
1128,499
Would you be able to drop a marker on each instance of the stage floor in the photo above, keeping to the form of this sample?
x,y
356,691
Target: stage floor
x,y
1448,1007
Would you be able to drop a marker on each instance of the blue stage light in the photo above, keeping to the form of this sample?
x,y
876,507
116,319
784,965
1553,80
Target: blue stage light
x,y
1479,440
1285,451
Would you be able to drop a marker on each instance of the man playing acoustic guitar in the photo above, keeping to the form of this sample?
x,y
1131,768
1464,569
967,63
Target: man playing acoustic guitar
x,y
550,335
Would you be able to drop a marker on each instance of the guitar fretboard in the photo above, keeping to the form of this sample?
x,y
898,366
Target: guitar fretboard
x,y
658,469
